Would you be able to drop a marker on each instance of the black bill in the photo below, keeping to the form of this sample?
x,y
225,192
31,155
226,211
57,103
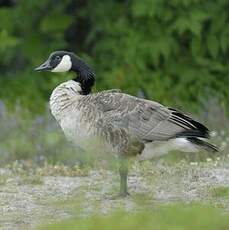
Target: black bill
x,y
45,66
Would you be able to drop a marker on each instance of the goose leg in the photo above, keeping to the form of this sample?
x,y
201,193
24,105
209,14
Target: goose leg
x,y
123,171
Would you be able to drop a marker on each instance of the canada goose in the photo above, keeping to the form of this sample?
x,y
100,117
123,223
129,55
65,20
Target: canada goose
x,y
126,125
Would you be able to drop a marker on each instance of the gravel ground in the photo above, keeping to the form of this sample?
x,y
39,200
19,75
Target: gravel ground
x,y
25,205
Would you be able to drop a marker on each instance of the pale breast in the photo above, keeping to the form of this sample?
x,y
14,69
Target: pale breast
x,y
67,107
75,129
82,119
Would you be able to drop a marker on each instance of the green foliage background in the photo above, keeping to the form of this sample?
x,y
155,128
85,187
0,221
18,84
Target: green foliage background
x,y
176,51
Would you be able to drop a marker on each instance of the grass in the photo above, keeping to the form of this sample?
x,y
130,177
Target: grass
x,y
220,192
33,179
62,170
153,186
26,173
175,217
3,179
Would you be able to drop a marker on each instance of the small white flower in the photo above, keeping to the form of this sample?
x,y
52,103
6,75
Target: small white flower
x,y
208,159
223,145
213,134
194,163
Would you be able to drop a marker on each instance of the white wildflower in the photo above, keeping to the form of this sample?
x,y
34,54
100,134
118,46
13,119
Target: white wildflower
x,y
213,133
209,159
223,145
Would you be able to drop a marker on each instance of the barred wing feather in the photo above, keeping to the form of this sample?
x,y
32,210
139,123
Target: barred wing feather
x,y
146,120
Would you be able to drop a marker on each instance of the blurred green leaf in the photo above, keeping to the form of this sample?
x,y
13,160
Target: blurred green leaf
x,y
7,41
131,44
55,22
213,45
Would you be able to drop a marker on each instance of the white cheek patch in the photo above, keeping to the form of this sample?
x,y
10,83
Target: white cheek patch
x,y
64,65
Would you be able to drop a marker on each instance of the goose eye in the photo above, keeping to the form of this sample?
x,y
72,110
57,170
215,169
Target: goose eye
x,y
58,58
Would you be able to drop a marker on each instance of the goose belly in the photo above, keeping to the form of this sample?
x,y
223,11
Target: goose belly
x,y
86,136
76,131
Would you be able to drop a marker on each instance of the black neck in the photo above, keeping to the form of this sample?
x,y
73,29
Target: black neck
x,y
85,76
86,82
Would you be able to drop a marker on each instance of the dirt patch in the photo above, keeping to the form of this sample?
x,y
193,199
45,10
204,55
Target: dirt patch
x,y
24,204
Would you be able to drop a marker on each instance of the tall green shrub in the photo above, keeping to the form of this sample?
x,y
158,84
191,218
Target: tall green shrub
x,y
177,51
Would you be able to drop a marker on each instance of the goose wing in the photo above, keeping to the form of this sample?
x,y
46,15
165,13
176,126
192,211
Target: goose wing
x,y
146,120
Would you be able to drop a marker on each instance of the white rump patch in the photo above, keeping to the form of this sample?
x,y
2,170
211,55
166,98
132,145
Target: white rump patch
x,y
159,148
64,65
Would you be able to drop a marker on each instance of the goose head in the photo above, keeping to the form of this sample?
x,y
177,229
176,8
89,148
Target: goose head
x,y
64,61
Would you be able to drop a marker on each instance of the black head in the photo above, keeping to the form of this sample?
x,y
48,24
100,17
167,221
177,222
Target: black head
x,y
59,61
63,61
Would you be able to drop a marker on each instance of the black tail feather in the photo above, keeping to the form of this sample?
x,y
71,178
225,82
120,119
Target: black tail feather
x,y
192,133
207,146
193,128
